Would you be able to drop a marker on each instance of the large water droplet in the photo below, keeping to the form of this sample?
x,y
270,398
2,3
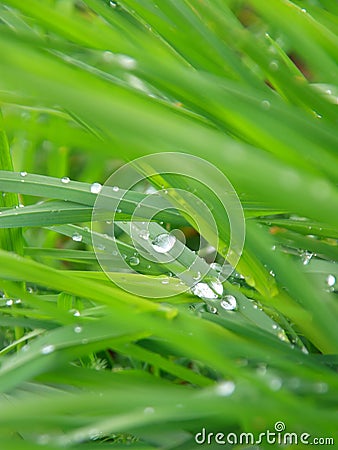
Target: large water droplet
x,y
65,180
95,188
77,237
9,302
134,261
217,286
163,243
23,174
331,280
229,303
203,290
112,4
226,388
47,349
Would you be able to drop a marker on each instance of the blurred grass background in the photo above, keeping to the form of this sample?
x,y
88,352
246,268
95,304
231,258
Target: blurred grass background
x,y
250,86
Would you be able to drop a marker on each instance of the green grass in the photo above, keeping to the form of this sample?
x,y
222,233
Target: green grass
x,y
86,86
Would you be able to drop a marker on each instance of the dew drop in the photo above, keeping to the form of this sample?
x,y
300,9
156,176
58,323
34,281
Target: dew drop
x,y
306,257
134,261
116,188
274,326
165,281
112,4
78,329
331,280
212,309
9,302
321,388
229,303
163,243
95,188
275,384
47,349
217,267
217,286
144,234
203,290
149,410
65,180
197,276
266,104
23,174
101,247
226,388
125,61
274,66
77,237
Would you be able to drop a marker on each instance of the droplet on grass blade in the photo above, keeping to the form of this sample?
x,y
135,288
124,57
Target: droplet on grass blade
x,y
65,180
203,290
134,261
226,388
95,188
229,303
163,243
23,174
331,280
77,237
47,349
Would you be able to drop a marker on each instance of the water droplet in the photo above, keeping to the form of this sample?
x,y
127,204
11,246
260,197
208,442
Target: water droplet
x,y
43,439
275,384
272,273
306,257
266,104
274,326
78,329
144,234
303,10
149,410
321,388
331,280
95,188
217,267
116,188
226,388
212,309
125,61
119,210
229,302
197,276
166,281
65,180
274,66
77,237
134,261
217,286
163,243
101,247
47,349
273,248
9,302
112,4
203,290
23,174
